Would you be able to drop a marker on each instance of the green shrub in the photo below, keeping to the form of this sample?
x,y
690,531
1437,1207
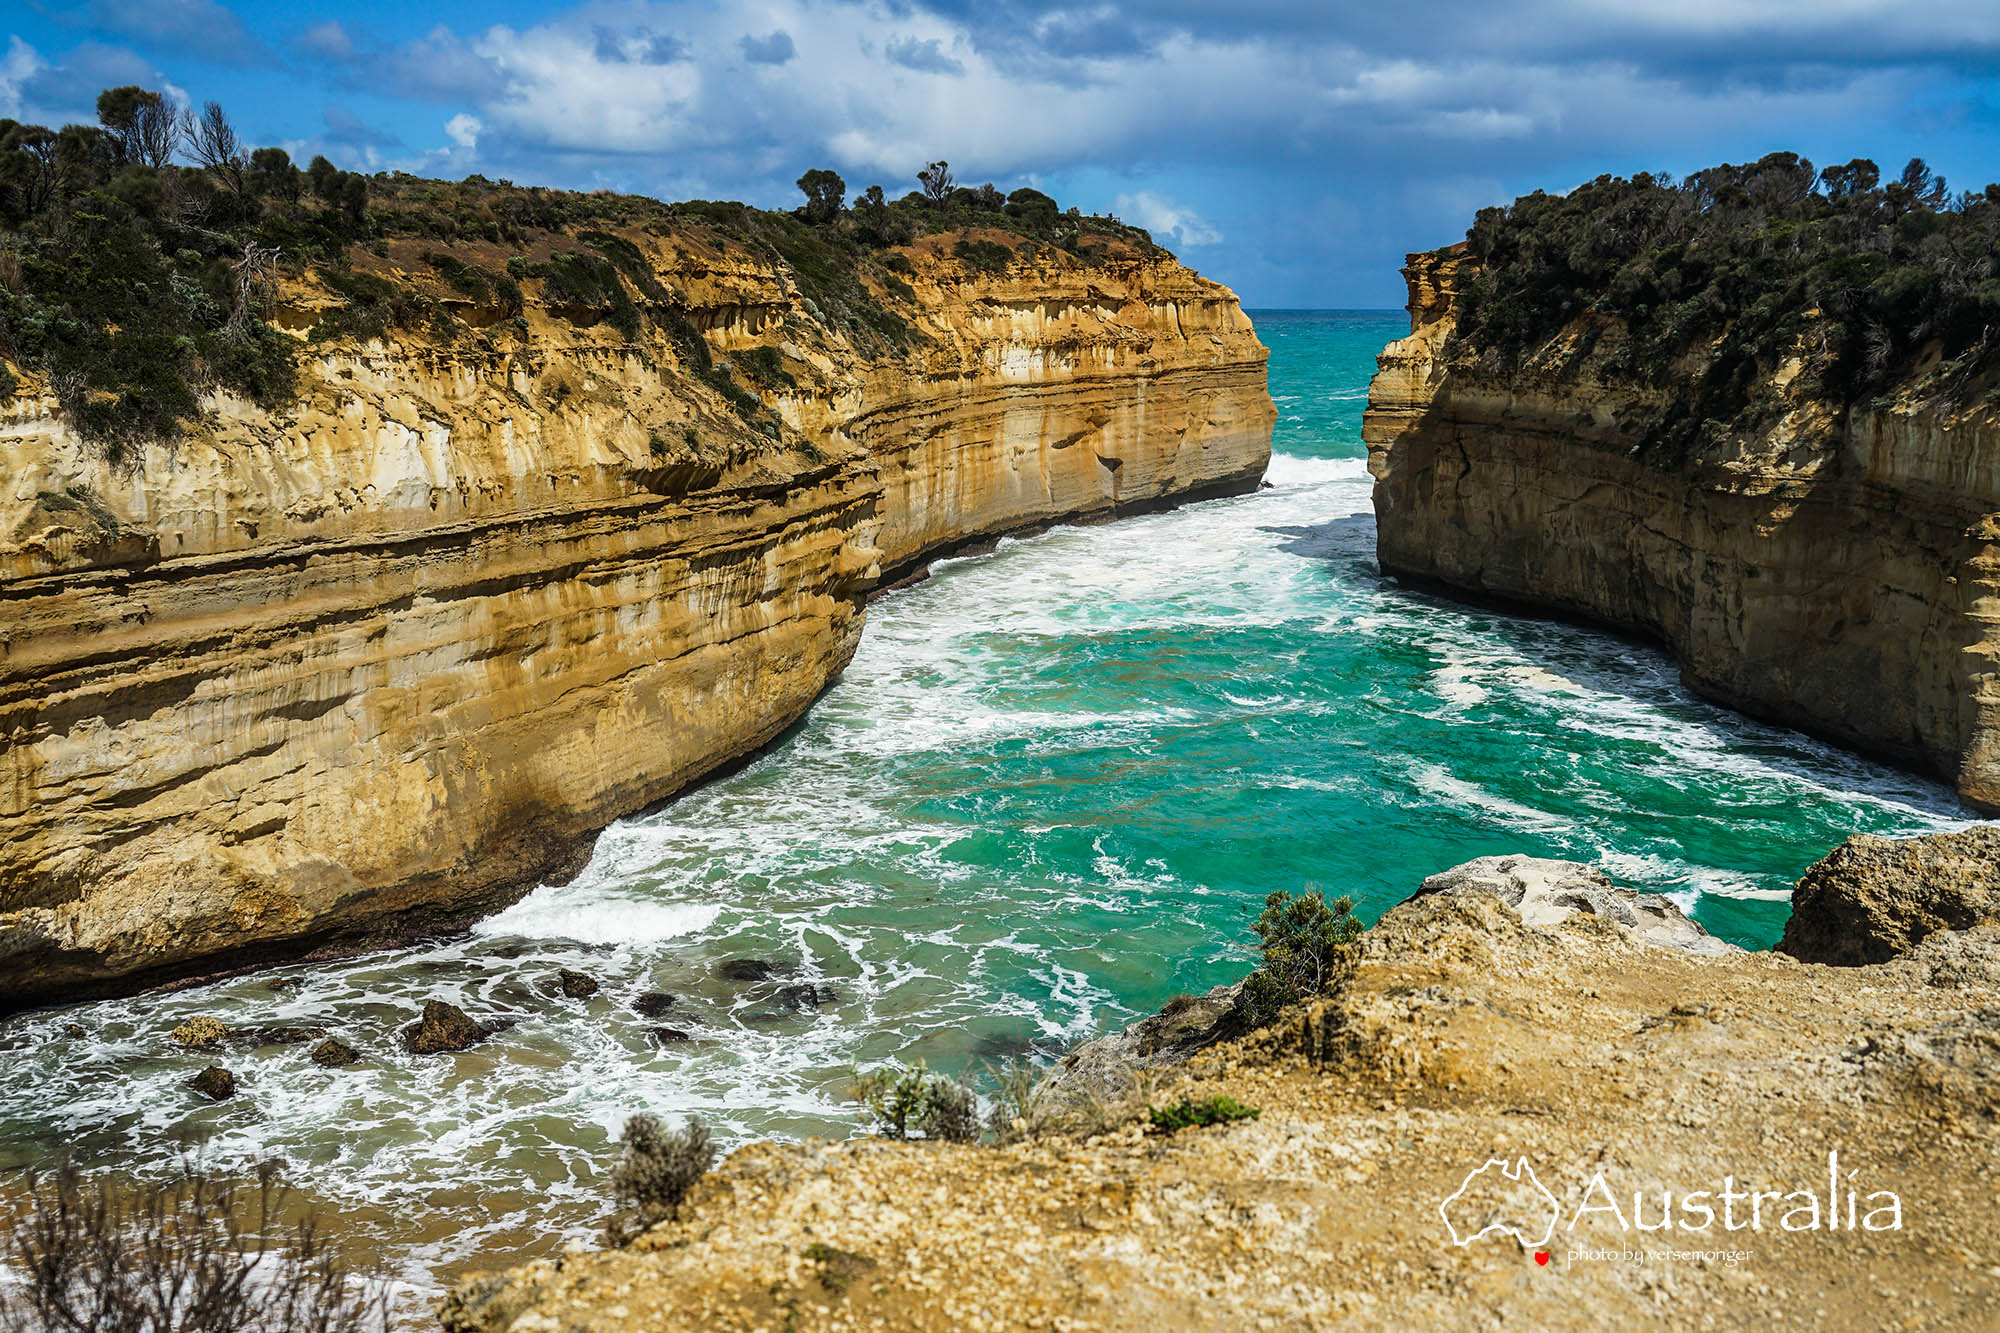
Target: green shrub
x,y
914,1100
1307,942
765,366
655,1171
1189,1114
984,256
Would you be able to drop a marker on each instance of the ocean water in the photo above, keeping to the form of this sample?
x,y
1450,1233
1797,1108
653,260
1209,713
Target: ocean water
x,y
1052,790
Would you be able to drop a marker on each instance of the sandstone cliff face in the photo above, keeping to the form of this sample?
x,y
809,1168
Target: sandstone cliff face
x,y
1834,572
390,656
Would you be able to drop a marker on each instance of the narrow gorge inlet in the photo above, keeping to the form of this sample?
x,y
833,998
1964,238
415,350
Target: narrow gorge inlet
x,y
1049,792
856,667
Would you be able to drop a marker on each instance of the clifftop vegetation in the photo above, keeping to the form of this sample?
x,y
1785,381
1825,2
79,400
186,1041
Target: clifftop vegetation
x,y
141,256
1729,272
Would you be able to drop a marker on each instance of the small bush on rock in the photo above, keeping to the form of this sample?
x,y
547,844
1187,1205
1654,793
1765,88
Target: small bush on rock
x,y
655,1172
1306,944
192,1253
1190,1114
914,1100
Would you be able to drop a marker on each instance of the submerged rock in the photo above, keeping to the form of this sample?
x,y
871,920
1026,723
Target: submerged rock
x,y
278,1034
444,1027
334,1053
1546,892
215,1083
653,1004
668,1036
576,985
201,1032
805,995
1872,899
747,969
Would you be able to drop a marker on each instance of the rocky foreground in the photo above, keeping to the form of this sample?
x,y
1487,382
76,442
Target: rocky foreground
x,y
1453,1137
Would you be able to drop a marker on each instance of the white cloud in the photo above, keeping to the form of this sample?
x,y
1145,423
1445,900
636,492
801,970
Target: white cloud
x,y
19,66
1164,217
464,130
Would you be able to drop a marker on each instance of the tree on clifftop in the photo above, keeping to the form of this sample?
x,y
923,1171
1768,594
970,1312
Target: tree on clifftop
x,y
825,193
936,180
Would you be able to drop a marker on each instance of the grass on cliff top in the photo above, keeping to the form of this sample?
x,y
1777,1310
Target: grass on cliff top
x,y
1732,271
141,257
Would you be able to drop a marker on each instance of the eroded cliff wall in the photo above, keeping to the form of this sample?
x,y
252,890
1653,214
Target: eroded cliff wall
x,y
389,656
1831,570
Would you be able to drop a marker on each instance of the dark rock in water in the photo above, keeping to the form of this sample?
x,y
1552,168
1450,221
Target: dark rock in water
x,y
653,1003
215,1083
1873,899
444,1027
333,1053
576,985
282,983
202,1033
74,1030
278,1034
804,995
510,951
1188,1023
668,1036
747,969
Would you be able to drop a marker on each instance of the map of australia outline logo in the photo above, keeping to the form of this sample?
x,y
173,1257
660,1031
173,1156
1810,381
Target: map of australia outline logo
x,y
1514,1174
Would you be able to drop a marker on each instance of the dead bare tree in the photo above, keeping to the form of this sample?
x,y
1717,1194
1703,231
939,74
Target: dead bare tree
x,y
256,286
212,141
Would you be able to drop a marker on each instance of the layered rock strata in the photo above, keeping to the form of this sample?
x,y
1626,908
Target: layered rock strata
x,y
1831,570
383,659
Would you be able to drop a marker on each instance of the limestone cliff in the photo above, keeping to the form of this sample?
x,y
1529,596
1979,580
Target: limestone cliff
x,y
382,658
1830,569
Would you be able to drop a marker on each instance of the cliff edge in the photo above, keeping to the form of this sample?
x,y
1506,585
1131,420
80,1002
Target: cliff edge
x,y
1823,563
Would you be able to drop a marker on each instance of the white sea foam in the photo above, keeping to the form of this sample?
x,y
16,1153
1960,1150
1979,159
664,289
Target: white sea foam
x,y
552,912
1288,471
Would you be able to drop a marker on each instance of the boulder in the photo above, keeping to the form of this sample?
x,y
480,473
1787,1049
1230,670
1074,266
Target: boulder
x,y
1546,892
444,1027
1872,899
1103,1067
201,1032
215,1083
653,1004
805,995
668,1036
334,1053
747,969
576,985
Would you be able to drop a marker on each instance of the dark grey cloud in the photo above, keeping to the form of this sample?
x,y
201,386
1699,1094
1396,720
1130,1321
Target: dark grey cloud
x,y
926,57
642,46
771,49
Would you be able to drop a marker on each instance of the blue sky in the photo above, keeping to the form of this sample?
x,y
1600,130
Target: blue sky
x,y
1293,150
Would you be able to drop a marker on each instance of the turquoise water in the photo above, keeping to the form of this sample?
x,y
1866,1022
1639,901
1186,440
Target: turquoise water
x,y
1052,790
